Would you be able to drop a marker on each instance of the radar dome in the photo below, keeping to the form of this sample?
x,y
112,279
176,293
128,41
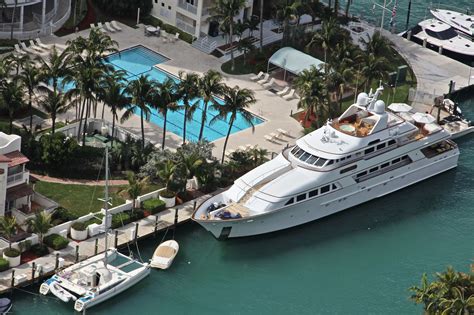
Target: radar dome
x,y
362,99
379,107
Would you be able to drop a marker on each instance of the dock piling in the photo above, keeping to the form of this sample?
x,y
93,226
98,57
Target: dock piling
x,y
77,253
12,284
116,239
57,261
194,205
136,232
96,246
33,269
156,224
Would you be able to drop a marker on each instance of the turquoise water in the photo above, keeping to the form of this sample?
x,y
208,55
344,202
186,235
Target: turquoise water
x,y
139,61
360,261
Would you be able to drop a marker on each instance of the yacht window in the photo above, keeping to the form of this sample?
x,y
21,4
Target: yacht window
x,y
293,151
301,197
348,169
334,186
369,150
343,159
381,146
299,153
289,202
330,162
362,174
396,160
324,189
313,193
312,159
384,165
374,141
320,162
305,156
404,157
391,142
373,169
349,156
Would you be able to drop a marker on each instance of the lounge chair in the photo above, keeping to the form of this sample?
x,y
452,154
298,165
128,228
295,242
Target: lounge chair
x,y
115,25
257,76
92,25
284,91
35,47
60,47
40,44
269,84
101,27
269,138
18,50
109,27
176,37
283,132
164,36
242,148
26,48
290,95
275,136
265,79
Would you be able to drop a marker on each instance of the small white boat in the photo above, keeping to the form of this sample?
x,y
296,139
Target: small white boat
x,y
164,254
61,293
460,21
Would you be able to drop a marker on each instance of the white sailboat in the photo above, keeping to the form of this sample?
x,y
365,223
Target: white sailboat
x,y
98,278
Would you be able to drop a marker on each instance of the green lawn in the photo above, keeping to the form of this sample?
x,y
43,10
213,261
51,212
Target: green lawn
x,y
82,199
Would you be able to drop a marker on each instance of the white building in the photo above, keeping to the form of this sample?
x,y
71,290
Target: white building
x,y
15,190
191,16
33,18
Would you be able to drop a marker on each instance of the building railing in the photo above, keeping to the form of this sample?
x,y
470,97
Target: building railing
x,y
18,2
187,6
16,178
188,28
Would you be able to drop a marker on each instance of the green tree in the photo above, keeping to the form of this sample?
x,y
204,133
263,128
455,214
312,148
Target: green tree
x,y
30,76
236,102
210,85
40,224
141,91
326,36
57,149
224,12
166,172
54,103
245,45
164,99
12,99
188,90
134,188
286,11
8,228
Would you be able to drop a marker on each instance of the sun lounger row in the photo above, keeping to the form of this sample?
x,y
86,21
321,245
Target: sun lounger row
x,y
111,27
36,47
264,79
277,137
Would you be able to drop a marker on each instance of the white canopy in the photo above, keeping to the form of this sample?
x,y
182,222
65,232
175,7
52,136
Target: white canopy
x,y
423,118
294,61
400,107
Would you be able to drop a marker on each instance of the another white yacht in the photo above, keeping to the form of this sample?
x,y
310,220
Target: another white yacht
x,y
460,21
439,34
366,153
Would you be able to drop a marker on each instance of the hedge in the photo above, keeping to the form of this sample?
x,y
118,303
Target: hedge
x,y
4,264
39,250
56,241
79,226
151,20
154,205
62,215
11,252
120,218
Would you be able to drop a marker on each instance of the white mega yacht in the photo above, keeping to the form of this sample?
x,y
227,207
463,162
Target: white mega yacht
x,y
366,153
460,21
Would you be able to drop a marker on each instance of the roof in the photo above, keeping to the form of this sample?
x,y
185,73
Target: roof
x,y
19,191
16,158
293,60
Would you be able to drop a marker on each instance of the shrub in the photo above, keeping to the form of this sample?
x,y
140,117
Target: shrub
x,y
79,226
4,264
39,250
137,214
154,205
11,252
120,218
64,215
56,241
151,20
167,193
97,219
24,245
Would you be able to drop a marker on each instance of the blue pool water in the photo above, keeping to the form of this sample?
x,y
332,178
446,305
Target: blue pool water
x,y
138,61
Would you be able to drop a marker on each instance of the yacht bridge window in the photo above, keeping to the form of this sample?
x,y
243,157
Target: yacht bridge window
x,y
308,158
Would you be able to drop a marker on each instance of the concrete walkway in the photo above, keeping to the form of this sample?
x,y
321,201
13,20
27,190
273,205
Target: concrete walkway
x,y
49,179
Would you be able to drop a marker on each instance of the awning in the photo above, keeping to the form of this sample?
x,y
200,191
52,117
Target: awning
x,y
294,61
19,191
16,158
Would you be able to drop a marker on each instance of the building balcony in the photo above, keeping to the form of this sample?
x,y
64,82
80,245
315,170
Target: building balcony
x,y
18,178
188,28
188,7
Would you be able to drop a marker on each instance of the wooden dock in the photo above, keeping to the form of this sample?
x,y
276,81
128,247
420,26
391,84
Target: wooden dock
x,y
29,273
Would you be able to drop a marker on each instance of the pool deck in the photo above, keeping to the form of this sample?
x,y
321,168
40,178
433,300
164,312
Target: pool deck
x,y
272,108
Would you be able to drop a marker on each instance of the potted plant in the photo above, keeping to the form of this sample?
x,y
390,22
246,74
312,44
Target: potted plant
x,y
79,231
165,173
8,229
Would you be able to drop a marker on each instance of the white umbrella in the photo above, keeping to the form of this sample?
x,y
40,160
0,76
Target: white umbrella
x,y
423,118
400,107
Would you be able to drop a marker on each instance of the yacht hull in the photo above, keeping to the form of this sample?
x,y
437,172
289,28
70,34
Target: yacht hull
x,y
342,199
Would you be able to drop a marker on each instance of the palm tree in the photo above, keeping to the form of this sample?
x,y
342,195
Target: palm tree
x,y
30,77
287,10
187,91
114,95
325,37
245,45
224,12
164,99
166,172
13,18
8,228
55,103
54,67
259,155
374,68
261,25
190,163
236,101
12,99
141,91
17,61
40,224
378,45
209,85
135,187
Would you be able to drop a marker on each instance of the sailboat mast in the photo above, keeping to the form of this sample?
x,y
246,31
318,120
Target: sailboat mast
x,y
106,202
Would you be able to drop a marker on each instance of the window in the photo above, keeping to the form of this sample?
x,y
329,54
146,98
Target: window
x,y
361,174
312,159
325,189
392,142
374,141
396,160
384,165
404,157
296,148
304,156
348,169
156,1
369,150
162,4
373,169
334,186
289,202
313,193
381,146
301,197
169,7
331,162
320,162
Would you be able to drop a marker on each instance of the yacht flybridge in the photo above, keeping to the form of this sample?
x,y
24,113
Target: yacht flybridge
x,y
366,153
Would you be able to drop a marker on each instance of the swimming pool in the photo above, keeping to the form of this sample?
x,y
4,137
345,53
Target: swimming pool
x,y
140,60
